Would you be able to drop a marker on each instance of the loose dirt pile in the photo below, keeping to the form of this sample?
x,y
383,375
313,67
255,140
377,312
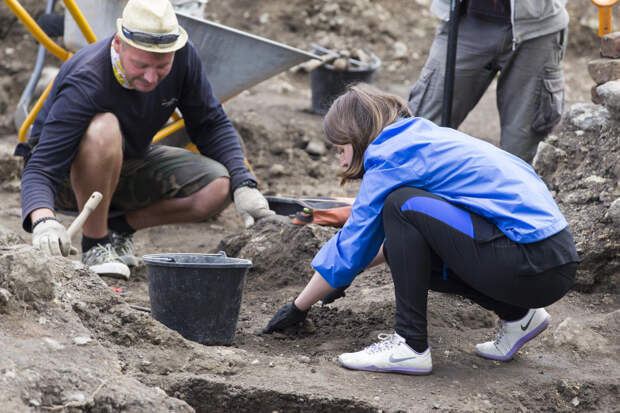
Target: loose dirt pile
x,y
71,343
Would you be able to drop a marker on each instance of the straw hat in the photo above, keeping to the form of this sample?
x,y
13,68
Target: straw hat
x,y
151,25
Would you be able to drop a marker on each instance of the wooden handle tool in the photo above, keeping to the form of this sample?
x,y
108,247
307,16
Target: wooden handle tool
x,y
89,207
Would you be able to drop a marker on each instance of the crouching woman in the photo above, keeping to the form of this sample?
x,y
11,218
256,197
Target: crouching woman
x,y
449,213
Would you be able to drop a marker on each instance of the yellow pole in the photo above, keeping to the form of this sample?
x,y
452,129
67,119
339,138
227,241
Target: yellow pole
x,y
36,31
33,113
81,21
173,127
604,15
604,21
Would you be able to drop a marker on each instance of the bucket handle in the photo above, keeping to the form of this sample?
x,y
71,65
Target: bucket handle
x,y
170,259
164,259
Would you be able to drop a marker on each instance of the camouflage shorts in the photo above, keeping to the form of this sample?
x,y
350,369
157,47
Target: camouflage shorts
x,y
165,172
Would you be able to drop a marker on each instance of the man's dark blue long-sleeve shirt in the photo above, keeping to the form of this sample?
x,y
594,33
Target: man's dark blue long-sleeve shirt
x,y
86,86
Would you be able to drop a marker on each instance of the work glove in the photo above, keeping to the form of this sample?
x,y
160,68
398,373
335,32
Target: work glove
x,y
288,315
251,205
51,238
334,295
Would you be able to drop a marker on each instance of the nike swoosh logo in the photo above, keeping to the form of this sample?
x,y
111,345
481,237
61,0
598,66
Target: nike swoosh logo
x,y
524,327
393,359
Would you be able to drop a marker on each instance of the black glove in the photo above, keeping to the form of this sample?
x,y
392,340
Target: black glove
x,y
288,315
334,295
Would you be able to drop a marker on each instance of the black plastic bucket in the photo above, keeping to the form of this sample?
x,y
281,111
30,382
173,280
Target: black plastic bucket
x,y
198,295
327,83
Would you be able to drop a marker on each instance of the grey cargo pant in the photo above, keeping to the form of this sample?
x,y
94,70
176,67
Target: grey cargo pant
x,y
530,89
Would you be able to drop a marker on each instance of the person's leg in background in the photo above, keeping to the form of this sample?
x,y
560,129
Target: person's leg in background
x,y
478,43
530,93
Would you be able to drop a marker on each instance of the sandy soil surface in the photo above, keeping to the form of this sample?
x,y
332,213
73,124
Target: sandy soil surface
x,y
130,359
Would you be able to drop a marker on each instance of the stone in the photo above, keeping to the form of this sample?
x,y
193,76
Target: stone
x,y
610,92
82,340
316,147
400,50
576,335
613,213
587,116
277,170
27,273
547,158
8,237
610,45
53,344
4,298
341,64
604,70
596,98
11,167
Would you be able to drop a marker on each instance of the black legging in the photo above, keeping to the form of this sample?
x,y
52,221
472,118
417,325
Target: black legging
x,y
432,244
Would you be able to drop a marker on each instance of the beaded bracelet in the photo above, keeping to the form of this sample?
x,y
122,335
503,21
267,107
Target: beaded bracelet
x,y
43,219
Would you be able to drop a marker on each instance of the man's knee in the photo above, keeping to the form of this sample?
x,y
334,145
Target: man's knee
x,y
212,198
220,188
103,134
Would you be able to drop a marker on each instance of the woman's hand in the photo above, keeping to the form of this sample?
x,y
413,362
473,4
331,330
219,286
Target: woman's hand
x,y
288,315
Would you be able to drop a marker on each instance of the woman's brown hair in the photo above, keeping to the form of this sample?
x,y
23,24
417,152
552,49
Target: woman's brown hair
x,y
358,117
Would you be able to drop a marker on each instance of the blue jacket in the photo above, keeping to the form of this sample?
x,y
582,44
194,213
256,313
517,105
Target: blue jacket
x,y
463,170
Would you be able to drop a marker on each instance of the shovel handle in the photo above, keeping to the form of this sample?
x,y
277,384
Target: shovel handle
x,y
89,207
604,21
604,15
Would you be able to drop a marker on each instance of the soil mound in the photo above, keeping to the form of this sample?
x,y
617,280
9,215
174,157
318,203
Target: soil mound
x,y
580,165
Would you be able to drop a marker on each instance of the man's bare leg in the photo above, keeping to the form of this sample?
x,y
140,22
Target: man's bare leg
x,y
97,167
199,206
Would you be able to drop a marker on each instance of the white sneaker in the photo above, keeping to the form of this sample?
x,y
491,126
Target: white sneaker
x,y
123,246
514,334
391,355
103,260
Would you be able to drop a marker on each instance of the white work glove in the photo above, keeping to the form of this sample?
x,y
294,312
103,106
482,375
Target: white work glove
x,y
51,238
251,205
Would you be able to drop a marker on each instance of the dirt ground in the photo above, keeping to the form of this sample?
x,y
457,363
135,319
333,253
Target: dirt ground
x,y
73,344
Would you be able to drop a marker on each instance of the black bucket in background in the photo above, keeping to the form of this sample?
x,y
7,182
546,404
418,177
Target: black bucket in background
x,y
327,83
198,295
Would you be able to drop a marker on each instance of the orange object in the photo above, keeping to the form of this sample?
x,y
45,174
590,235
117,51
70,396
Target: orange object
x,y
604,15
116,289
331,217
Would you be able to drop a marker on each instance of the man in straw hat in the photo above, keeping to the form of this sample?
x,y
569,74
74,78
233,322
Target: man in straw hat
x,y
94,134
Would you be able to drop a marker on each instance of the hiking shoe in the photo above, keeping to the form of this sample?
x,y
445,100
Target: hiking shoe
x,y
103,260
123,246
514,334
391,355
